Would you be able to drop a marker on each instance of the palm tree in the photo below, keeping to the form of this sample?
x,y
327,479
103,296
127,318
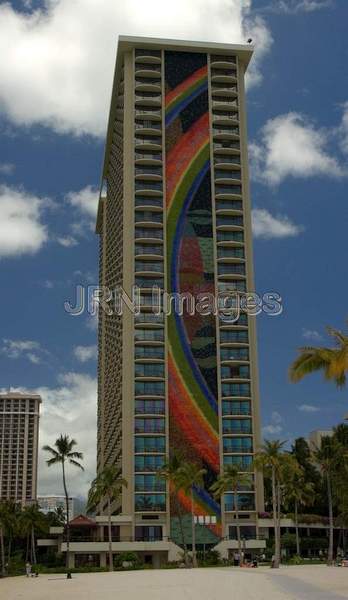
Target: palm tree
x,y
64,453
190,476
3,522
300,493
108,484
231,480
327,458
269,459
332,361
171,473
32,519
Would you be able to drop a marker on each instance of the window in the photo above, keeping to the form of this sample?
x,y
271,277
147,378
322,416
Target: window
x,y
142,124
235,372
150,444
235,389
149,352
148,463
148,185
149,388
234,354
245,502
148,201
148,155
140,138
149,335
148,216
231,269
148,282
148,533
230,236
149,317
247,532
149,370
230,252
233,335
244,463
235,220
224,174
232,286
148,249
228,189
236,426
150,502
237,445
147,265
236,407
149,232
149,425
149,483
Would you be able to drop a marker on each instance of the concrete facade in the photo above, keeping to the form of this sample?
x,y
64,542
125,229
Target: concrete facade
x,y
19,438
177,118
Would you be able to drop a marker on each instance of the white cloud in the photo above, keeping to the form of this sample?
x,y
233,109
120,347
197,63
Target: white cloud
x,y
311,334
69,408
6,168
297,6
267,226
343,130
308,408
28,349
92,322
60,58
275,427
85,353
67,241
291,146
272,429
21,228
86,200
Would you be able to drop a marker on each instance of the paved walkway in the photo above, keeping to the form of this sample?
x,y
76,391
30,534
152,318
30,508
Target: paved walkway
x,y
292,583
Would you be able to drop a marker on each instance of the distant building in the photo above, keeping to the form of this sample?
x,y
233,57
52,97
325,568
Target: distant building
x,y
19,438
316,436
49,504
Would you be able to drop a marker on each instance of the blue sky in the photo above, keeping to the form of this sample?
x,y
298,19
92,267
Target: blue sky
x,y
54,99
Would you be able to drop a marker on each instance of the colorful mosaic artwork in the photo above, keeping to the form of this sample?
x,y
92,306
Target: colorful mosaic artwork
x,y
193,409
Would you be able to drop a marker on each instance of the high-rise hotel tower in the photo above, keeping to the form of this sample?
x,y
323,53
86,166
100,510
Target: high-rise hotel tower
x,y
175,213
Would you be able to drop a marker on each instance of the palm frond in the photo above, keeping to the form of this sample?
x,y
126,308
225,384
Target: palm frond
x,y
76,464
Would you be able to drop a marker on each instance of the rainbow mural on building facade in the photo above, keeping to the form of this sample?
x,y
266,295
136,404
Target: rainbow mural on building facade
x,y
192,365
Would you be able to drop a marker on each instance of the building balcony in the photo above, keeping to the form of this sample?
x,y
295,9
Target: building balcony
x,y
224,76
227,177
229,147
147,144
142,100
226,119
227,161
148,187
148,114
222,61
148,70
228,192
226,133
142,158
224,91
146,128
147,87
148,56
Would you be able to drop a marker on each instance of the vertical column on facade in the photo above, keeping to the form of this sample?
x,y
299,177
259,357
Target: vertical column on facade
x,y
234,356
149,271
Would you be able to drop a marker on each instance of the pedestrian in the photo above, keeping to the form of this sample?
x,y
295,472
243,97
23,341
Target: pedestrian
x,y
236,558
272,561
28,569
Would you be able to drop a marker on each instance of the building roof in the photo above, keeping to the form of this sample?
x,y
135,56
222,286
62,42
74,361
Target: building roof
x,y
127,43
82,521
20,396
